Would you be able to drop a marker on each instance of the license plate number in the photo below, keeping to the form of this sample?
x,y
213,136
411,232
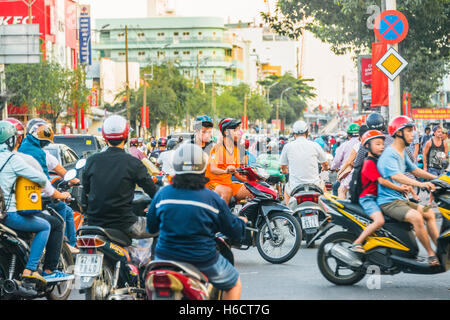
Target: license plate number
x,y
310,222
88,265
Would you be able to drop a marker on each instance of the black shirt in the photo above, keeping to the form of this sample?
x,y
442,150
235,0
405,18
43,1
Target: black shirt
x,y
109,181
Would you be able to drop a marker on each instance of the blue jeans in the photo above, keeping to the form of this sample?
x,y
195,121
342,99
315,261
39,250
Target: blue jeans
x,y
66,213
33,224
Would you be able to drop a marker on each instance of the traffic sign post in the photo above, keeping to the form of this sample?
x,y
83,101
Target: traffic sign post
x,y
391,27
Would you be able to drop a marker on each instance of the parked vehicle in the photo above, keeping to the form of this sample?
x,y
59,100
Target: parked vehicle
x,y
83,144
392,249
66,156
276,232
304,202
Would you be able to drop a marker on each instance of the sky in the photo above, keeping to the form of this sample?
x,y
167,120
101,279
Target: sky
x,y
245,10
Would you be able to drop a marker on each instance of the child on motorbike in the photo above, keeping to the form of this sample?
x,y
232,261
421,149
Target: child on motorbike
x,y
188,216
373,140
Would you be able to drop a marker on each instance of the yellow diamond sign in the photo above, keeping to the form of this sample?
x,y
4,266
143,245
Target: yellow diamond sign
x,y
392,63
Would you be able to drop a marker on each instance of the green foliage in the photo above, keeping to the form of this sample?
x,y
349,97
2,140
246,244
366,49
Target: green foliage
x,y
294,100
47,87
343,24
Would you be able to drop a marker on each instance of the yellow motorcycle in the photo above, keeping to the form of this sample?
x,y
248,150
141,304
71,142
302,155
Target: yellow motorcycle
x,y
392,249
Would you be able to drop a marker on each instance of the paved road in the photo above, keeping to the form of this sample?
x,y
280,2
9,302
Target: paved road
x,y
300,279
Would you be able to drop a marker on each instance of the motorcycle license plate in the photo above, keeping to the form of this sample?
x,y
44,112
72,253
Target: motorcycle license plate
x,y
310,222
88,265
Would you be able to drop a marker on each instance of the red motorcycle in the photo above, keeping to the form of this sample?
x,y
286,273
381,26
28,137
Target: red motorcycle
x,y
275,231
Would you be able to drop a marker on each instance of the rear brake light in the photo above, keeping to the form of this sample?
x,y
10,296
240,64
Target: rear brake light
x,y
307,197
163,280
90,242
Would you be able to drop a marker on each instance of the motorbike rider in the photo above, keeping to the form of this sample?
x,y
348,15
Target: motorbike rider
x,y
165,158
224,159
203,126
162,143
373,140
109,181
39,135
14,166
188,216
392,165
300,159
134,150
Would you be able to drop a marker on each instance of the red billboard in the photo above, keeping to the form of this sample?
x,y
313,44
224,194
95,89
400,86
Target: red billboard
x,y
42,13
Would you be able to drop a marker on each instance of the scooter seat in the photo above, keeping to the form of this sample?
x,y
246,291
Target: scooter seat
x,y
113,235
304,187
187,268
354,208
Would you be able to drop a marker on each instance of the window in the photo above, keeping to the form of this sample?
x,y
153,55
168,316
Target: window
x,y
200,52
214,35
186,53
121,36
121,54
69,156
200,35
186,35
214,53
175,53
141,35
176,34
141,54
161,54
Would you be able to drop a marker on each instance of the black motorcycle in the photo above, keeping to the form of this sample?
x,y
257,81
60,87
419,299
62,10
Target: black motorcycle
x,y
14,252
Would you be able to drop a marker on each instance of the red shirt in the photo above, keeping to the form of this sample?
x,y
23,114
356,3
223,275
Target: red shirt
x,y
369,175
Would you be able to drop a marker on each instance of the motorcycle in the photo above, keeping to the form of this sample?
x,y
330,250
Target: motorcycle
x,y
392,249
14,252
271,163
304,202
275,231
172,280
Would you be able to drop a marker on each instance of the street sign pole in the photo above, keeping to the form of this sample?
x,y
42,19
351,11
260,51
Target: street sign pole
x,y
394,86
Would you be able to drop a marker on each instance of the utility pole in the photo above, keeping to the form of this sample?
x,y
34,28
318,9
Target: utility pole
x,y
394,86
214,96
126,72
30,21
245,112
3,90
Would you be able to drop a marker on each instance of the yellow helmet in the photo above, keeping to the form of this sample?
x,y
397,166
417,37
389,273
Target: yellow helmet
x,y
43,132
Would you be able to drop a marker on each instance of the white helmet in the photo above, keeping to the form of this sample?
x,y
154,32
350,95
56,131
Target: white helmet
x,y
300,127
115,127
189,158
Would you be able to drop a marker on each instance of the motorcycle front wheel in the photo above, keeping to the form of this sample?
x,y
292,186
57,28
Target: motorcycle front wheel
x,y
286,240
331,268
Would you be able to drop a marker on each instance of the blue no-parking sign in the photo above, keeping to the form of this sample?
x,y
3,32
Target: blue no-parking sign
x,y
391,27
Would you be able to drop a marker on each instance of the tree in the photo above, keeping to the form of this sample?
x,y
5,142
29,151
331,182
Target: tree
x,y
294,100
46,87
343,24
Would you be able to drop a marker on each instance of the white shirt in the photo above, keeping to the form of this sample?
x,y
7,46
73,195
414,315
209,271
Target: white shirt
x,y
165,158
303,157
52,162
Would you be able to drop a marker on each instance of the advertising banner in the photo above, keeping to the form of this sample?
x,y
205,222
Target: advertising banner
x,y
430,114
85,34
364,82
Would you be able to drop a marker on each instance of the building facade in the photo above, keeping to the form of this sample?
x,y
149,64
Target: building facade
x,y
200,47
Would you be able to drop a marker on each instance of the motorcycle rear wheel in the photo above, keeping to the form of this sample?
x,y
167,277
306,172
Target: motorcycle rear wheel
x,y
62,290
331,272
288,228
101,288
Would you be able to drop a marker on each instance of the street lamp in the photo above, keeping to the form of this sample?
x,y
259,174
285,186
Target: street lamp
x,y
281,99
268,91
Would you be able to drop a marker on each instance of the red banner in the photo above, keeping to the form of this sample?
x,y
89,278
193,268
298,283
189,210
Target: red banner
x,y
244,122
380,86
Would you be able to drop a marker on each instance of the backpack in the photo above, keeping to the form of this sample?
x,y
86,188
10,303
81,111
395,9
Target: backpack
x,y
356,187
3,205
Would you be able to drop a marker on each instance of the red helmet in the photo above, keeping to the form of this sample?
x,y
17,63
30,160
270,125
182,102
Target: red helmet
x,y
399,123
17,124
115,128
133,142
247,143
370,135
162,142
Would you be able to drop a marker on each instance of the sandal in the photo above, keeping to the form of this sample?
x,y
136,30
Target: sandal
x,y
34,276
433,261
358,248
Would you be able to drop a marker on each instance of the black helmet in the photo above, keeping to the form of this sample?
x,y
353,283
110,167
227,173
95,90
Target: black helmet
x,y
228,123
172,143
189,159
375,121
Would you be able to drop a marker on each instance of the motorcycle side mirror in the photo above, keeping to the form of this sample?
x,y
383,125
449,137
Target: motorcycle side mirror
x,y
80,164
70,175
